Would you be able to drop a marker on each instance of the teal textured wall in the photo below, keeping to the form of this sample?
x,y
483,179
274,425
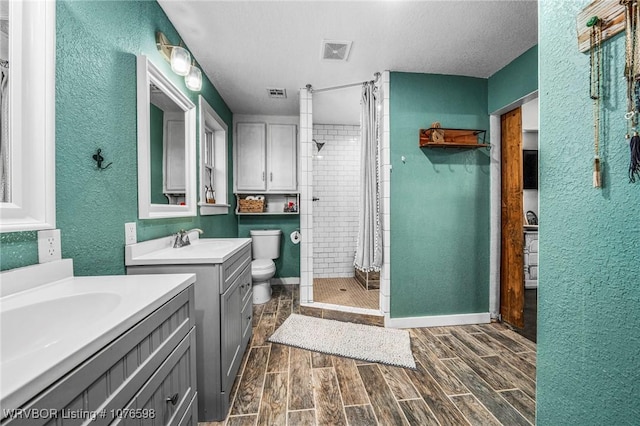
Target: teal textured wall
x,y
288,265
96,48
589,286
517,79
439,199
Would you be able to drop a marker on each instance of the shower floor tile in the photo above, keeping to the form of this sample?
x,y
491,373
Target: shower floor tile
x,y
345,292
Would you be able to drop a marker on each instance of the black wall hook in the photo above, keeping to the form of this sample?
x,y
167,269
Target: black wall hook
x,y
99,159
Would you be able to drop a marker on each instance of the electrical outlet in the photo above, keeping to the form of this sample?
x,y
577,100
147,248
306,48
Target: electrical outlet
x,y
130,235
49,248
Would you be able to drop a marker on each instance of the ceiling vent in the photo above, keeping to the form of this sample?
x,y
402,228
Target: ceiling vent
x,y
335,50
277,93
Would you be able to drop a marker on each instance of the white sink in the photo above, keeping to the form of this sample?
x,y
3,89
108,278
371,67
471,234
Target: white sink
x,y
201,250
32,327
51,321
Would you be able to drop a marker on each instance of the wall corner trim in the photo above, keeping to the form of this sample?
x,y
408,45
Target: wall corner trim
x,y
437,320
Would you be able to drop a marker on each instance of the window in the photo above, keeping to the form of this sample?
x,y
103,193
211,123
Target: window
x,y
213,162
209,162
28,153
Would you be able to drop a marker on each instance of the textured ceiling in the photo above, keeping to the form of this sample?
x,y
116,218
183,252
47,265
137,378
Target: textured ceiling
x,y
245,47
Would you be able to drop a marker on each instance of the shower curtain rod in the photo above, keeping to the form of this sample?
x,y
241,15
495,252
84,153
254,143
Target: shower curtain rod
x,y
344,86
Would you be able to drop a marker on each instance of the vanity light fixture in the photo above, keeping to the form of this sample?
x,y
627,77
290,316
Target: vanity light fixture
x,y
181,62
193,79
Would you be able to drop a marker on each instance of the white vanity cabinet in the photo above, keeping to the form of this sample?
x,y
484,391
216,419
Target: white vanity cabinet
x,y
266,157
224,308
147,375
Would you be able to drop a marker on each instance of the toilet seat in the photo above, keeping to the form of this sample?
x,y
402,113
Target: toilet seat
x,y
261,265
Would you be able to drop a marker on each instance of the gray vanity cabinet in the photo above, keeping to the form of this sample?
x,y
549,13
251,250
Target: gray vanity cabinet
x,y
234,318
223,307
145,376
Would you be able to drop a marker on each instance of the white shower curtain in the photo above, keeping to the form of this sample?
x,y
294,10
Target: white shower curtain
x,y
368,255
5,189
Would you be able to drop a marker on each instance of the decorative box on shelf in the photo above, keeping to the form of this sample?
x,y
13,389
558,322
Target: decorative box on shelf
x,y
441,137
251,204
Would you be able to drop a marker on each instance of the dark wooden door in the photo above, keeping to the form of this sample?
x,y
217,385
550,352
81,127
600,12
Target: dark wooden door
x,y
512,257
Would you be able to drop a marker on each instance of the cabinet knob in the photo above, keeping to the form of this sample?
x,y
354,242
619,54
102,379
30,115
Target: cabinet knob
x,y
173,399
271,176
263,176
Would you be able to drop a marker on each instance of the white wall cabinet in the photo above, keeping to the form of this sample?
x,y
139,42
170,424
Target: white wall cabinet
x,y
251,154
281,158
266,157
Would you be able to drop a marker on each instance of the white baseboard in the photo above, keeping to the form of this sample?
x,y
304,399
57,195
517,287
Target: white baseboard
x,y
437,320
286,281
341,308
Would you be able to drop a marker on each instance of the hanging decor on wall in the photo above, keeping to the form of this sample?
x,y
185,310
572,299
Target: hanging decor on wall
x,y
595,85
634,165
632,76
599,21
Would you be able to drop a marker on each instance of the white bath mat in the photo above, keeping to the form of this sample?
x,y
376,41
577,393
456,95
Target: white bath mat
x,y
365,342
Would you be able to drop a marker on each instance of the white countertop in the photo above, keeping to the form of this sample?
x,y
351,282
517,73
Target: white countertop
x,y
201,250
49,329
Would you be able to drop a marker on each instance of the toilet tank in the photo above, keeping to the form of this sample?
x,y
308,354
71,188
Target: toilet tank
x,y
265,243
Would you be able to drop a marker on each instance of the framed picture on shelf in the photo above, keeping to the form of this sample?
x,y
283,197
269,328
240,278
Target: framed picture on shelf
x,y
530,218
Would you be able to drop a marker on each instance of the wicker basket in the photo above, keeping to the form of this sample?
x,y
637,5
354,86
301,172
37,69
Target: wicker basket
x,y
251,206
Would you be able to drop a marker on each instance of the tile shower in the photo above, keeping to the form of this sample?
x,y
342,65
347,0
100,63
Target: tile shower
x,y
307,212
336,180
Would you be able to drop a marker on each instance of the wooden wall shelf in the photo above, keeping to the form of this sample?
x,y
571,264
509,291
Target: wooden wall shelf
x,y
610,12
453,138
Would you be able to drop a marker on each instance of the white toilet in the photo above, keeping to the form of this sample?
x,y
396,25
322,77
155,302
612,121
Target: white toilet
x,y
265,246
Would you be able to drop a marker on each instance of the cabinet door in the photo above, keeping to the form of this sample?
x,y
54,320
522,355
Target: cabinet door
x,y
167,396
174,159
231,333
250,157
282,164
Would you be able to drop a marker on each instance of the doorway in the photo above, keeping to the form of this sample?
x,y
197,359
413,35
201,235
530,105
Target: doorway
x,y
519,218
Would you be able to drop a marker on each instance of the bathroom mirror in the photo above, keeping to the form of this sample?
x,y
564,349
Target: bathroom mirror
x,y
27,117
166,146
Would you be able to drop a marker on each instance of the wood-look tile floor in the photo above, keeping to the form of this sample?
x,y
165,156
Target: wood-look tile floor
x,y
477,375
345,292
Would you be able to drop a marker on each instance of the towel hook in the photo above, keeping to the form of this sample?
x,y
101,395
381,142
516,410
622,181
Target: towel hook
x,y
99,159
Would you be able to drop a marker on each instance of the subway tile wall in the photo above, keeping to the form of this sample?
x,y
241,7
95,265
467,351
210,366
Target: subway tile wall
x,y
336,180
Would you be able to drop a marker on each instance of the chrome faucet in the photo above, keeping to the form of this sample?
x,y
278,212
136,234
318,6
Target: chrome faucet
x,y
182,238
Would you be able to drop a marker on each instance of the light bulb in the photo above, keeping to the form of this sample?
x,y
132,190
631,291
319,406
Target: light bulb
x,y
180,60
193,80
